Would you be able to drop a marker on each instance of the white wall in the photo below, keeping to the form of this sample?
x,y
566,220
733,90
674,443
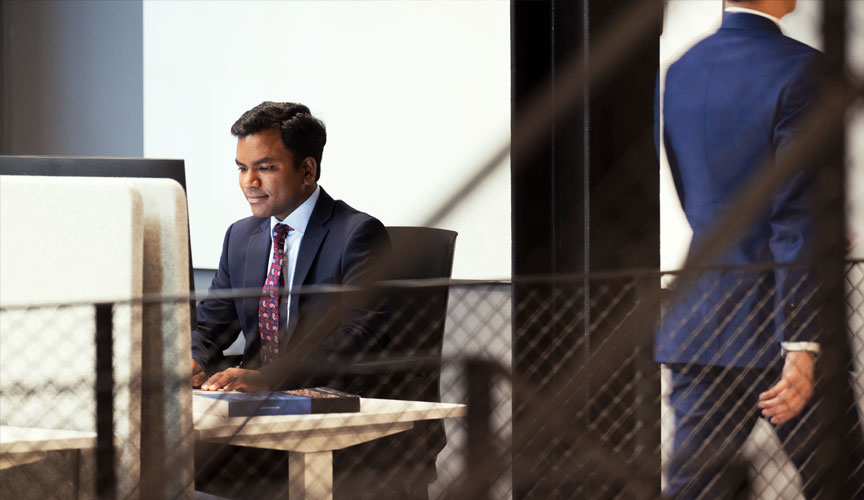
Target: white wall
x,y
414,96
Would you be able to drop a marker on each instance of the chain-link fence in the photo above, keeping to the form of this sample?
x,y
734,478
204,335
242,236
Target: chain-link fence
x,y
565,397
564,400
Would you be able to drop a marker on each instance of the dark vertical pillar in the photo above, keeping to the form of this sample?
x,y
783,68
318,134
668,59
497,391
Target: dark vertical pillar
x,y
842,447
534,214
584,198
532,174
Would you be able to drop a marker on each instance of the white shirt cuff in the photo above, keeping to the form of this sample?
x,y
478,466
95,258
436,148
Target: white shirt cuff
x,y
800,346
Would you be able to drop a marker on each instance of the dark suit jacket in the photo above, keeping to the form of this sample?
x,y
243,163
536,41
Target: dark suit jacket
x,y
341,246
733,104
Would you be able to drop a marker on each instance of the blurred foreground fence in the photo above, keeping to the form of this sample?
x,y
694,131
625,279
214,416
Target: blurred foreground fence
x,y
572,409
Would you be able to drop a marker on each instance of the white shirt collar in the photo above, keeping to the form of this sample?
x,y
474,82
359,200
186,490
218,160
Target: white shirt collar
x,y
743,10
299,218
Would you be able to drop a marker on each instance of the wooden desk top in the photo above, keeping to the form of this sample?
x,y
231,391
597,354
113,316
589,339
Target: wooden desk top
x,y
24,445
316,432
30,439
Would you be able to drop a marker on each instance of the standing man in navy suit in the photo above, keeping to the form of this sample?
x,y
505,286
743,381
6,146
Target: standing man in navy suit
x,y
741,343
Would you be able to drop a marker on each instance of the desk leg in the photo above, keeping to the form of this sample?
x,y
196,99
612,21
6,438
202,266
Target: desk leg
x,y
311,475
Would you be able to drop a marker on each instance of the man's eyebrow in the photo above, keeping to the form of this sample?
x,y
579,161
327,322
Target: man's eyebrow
x,y
266,159
257,162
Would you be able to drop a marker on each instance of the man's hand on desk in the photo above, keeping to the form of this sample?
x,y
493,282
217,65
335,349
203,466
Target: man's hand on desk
x,y
236,379
199,376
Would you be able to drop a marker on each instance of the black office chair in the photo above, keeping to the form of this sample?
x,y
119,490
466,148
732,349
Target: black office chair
x,y
415,332
409,365
431,252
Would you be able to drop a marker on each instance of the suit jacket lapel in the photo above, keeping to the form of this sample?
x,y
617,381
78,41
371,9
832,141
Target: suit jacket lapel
x,y
315,233
255,272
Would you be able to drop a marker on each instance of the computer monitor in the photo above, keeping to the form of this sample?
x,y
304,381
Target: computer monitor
x,y
75,166
86,166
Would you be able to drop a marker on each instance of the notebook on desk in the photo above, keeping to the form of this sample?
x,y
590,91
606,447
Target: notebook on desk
x,y
293,402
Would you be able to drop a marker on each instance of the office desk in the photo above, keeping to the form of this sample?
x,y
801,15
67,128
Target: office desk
x,y
24,445
311,439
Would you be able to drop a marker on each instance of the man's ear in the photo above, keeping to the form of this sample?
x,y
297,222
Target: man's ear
x,y
309,167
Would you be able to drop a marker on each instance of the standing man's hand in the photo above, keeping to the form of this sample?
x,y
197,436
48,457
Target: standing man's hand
x,y
236,379
787,398
198,374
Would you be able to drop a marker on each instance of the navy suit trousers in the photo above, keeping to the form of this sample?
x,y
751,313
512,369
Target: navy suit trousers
x,y
715,411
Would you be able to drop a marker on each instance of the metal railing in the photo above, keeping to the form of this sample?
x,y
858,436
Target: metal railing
x,y
595,423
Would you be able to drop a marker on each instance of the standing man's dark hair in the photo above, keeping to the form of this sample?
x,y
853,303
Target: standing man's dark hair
x,y
302,134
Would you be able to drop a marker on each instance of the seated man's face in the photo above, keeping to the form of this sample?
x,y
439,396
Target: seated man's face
x,y
268,178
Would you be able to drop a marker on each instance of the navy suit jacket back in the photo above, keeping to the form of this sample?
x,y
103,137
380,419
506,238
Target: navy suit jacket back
x,y
733,105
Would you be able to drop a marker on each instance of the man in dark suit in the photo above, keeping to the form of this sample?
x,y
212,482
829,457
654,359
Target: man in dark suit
x,y
298,235
279,147
742,342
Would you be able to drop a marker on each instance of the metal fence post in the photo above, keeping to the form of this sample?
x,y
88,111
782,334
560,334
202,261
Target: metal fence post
x,y
647,386
482,462
105,477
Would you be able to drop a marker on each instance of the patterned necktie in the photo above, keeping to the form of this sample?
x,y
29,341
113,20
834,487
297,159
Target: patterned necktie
x,y
268,306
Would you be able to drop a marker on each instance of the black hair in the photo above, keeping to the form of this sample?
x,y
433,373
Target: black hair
x,y
302,134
